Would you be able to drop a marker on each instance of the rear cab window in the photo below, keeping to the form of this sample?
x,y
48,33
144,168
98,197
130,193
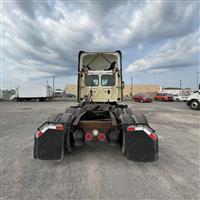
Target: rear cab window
x,y
92,80
107,80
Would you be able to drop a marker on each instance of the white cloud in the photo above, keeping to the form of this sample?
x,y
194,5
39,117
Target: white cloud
x,y
140,47
46,37
176,53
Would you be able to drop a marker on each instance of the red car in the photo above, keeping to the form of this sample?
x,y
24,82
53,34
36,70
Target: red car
x,y
163,97
142,99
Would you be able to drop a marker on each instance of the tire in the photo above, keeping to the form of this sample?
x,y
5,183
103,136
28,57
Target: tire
x,y
156,150
177,100
194,105
15,99
128,111
141,148
57,118
118,112
123,146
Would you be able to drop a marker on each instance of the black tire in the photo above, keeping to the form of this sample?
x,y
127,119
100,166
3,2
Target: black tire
x,y
118,112
194,105
15,99
128,111
141,148
122,145
58,118
156,149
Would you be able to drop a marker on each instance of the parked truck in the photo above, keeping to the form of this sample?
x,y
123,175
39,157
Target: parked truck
x,y
99,116
193,100
38,93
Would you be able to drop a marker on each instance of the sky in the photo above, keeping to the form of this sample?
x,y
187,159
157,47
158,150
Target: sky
x,y
159,40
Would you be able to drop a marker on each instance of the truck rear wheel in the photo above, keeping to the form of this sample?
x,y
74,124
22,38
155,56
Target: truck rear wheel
x,y
140,147
194,105
122,144
61,118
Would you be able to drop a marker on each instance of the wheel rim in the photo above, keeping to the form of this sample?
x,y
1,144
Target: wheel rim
x,y
194,105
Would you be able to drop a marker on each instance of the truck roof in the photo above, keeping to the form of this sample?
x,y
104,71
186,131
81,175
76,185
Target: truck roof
x,y
99,61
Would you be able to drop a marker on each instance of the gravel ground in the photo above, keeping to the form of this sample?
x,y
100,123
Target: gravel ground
x,y
99,171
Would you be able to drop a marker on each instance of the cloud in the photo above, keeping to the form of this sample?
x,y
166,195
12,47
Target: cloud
x,y
176,53
160,20
44,38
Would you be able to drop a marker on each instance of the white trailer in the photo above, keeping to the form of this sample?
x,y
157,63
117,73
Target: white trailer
x,y
38,93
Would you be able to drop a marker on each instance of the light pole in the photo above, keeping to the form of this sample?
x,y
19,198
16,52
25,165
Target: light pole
x,y
180,85
53,84
131,86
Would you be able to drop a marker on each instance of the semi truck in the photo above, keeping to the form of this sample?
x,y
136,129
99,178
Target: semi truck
x,y
38,93
99,116
193,100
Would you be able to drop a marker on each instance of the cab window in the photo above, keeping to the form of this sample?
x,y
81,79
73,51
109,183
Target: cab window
x,y
92,80
107,80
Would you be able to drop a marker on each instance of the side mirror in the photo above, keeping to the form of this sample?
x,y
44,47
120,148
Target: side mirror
x,y
123,84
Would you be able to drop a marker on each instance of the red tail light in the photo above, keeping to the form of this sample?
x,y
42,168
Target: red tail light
x,y
88,136
101,137
39,134
153,136
60,127
130,128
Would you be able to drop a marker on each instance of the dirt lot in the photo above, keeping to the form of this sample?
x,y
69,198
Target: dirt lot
x,y
98,171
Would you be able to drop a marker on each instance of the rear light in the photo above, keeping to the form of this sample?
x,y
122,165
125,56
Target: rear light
x,y
39,134
88,136
102,137
153,136
60,127
130,128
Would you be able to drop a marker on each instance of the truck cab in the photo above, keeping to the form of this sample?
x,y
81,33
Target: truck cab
x,y
193,100
100,77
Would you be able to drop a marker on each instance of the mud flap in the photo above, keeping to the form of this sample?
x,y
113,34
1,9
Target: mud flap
x,y
141,144
49,142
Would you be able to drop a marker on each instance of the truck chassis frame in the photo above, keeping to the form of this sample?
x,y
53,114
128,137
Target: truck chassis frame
x,y
116,124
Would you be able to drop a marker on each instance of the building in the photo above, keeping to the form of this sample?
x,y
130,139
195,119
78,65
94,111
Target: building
x,y
71,89
141,89
174,90
137,89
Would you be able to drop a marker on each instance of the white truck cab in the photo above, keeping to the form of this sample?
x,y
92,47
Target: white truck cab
x,y
193,100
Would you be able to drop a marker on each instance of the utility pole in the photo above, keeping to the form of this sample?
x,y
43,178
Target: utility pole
x,y
180,85
131,86
53,85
